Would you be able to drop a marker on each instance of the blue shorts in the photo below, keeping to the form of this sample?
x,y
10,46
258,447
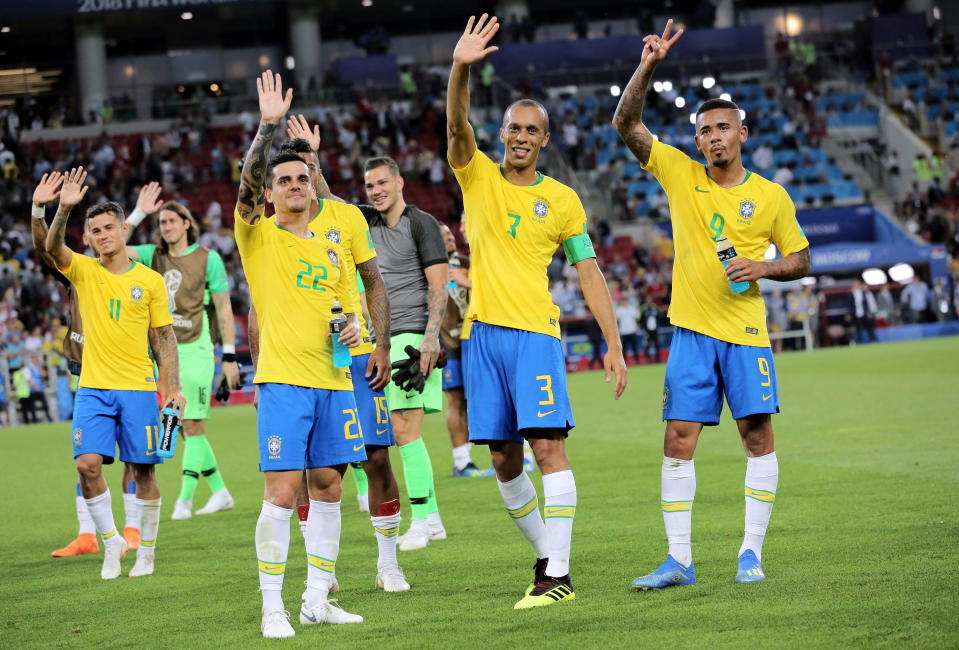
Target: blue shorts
x,y
464,359
518,379
452,374
103,419
701,369
371,406
302,428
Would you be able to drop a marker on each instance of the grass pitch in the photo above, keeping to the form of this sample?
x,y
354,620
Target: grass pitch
x,y
861,549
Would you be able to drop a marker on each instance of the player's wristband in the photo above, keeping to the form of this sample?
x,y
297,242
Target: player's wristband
x,y
578,248
229,357
229,348
38,211
136,217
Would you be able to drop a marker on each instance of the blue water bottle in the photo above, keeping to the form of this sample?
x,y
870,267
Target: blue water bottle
x,y
454,264
727,253
341,353
170,431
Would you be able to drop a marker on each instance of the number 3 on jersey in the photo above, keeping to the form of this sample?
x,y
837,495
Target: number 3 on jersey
x,y
515,218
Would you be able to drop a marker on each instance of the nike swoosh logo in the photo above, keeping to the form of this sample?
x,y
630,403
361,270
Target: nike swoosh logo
x,y
150,453
699,190
310,617
543,415
380,433
765,397
355,448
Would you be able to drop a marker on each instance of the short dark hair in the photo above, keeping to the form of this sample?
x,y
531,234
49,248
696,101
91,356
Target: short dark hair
x,y
382,161
103,208
284,156
713,104
193,229
297,145
531,103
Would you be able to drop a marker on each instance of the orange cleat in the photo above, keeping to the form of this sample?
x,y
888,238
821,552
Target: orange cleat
x,y
132,535
83,544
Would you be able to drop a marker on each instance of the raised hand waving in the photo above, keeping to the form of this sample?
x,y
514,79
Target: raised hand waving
x,y
274,104
472,46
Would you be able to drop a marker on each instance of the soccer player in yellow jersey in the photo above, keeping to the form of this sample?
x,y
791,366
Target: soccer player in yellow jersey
x,y
344,224
306,417
720,345
121,304
516,375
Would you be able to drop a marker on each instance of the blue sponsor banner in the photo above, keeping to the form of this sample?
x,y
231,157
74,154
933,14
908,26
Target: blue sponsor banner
x,y
834,225
50,8
380,70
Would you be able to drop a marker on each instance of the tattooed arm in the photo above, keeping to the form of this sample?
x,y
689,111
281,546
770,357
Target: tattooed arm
x,y
168,362
378,306
628,119
436,279
274,105
791,267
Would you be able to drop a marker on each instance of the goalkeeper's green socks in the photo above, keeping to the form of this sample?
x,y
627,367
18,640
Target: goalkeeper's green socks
x,y
418,472
194,457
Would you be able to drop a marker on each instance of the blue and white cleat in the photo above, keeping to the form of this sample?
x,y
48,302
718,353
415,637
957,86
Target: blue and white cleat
x,y
529,466
750,568
669,574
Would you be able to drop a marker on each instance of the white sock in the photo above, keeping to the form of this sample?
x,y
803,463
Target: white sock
x,y
461,457
559,494
101,511
762,478
522,504
272,547
150,524
433,521
87,527
385,529
322,548
678,491
131,512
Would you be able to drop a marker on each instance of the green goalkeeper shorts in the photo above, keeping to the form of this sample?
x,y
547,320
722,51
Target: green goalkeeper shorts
x,y
196,376
431,399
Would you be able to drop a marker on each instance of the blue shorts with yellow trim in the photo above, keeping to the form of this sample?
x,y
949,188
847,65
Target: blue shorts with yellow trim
x,y
452,374
104,419
371,406
302,428
518,379
464,359
702,369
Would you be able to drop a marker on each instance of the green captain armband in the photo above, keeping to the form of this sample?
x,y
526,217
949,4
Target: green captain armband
x,y
578,248
359,284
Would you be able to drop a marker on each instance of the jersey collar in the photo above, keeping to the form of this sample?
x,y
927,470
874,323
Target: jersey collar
x,y
539,178
748,174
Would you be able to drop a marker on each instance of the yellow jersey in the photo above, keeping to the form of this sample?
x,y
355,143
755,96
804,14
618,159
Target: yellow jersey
x,y
513,231
293,283
750,215
344,224
118,311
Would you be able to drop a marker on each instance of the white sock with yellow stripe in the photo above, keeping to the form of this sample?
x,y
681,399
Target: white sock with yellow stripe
x,y
272,547
522,504
100,508
559,493
762,478
678,487
386,529
322,548
149,510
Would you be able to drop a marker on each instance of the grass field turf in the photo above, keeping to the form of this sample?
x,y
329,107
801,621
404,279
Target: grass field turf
x,y
862,547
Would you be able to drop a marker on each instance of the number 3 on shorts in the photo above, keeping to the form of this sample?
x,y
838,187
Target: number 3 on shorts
x,y
351,414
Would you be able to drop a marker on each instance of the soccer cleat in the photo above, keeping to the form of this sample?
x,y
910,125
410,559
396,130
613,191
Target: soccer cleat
x,y
132,535
334,587
669,574
470,470
363,500
276,625
391,578
83,544
327,612
182,509
539,572
415,539
219,500
528,466
142,567
750,568
437,534
112,552
546,591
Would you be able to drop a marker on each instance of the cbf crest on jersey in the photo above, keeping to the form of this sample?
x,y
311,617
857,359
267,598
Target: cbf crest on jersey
x,y
747,209
136,293
333,256
274,445
540,210
77,437
333,235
